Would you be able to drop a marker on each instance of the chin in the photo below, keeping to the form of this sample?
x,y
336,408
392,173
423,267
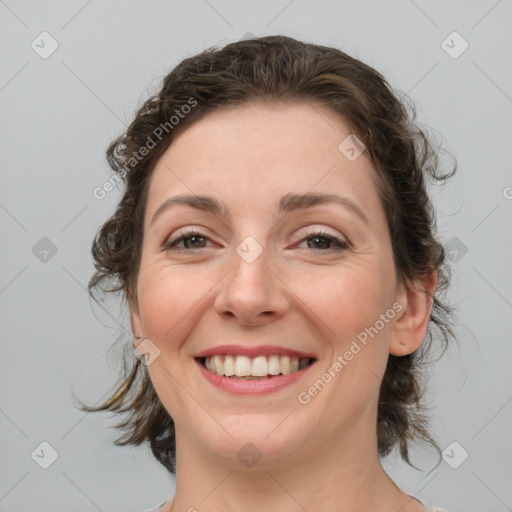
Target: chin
x,y
256,440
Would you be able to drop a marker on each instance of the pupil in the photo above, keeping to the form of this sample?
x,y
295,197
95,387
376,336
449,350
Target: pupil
x,y
323,242
195,241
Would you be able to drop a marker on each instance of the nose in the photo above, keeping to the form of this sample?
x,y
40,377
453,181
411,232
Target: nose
x,y
252,293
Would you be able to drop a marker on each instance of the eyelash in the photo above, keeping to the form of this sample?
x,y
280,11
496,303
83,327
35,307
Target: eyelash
x,y
341,244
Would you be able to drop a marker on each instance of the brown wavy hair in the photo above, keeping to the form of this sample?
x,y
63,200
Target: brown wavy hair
x,y
278,68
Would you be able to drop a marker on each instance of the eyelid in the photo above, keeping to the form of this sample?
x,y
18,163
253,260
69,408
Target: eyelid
x,y
299,236
315,229
185,232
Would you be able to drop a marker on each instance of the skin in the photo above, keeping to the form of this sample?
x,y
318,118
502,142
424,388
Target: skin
x,y
316,456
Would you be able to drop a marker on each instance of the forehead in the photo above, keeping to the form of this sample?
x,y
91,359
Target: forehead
x,y
256,153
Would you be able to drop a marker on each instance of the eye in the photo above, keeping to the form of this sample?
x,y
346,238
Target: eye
x,y
318,241
191,240
322,241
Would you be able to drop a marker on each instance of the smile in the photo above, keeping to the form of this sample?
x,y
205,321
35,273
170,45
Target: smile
x,y
254,368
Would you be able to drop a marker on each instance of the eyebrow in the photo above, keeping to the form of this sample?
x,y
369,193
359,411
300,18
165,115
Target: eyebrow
x,y
292,202
206,203
288,203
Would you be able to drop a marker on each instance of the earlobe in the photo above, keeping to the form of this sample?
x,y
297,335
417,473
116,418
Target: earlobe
x,y
410,328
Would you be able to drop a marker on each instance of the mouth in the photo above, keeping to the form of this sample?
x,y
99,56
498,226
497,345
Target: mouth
x,y
253,370
261,367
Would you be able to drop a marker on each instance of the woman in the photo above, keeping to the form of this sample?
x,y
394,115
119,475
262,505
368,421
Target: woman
x,y
276,249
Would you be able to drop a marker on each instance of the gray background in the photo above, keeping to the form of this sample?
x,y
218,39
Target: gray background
x,y
58,116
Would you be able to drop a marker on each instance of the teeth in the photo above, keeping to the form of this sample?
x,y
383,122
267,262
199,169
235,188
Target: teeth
x,y
303,362
260,366
274,366
285,365
218,366
229,366
242,366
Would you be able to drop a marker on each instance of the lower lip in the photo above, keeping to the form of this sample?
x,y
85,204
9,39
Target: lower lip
x,y
250,387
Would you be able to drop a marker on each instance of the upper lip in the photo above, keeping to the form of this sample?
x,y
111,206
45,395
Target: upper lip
x,y
262,350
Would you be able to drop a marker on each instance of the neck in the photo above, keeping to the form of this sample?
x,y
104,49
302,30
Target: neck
x,y
344,477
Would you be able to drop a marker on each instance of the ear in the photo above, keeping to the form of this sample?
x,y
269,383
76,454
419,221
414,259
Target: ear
x,y
411,326
135,321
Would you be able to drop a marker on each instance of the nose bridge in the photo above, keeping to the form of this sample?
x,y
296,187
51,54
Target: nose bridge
x,y
250,291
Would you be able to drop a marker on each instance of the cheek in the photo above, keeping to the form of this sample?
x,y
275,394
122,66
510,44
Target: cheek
x,y
346,300
349,301
168,298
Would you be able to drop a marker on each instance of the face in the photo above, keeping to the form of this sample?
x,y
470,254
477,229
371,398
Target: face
x,y
284,273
